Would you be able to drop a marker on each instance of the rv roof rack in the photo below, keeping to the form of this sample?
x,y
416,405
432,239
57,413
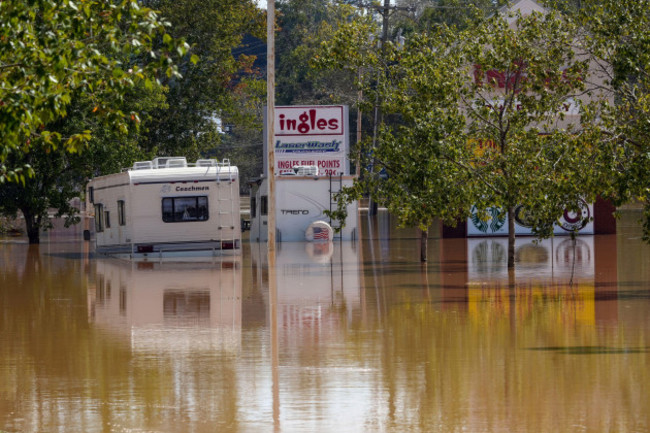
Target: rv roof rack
x,y
206,162
142,165
212,162
176,162
170,162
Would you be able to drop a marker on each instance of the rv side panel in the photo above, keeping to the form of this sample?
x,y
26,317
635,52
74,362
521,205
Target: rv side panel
x,y
163,213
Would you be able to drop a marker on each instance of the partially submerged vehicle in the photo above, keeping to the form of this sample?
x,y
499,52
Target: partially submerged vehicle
x,y
167,208
302,197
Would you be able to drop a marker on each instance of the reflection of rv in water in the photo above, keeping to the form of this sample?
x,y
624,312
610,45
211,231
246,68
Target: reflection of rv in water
x,y
167,208
169,307
302,196
318,285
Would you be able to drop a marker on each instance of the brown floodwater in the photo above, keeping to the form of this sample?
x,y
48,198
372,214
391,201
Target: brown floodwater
x,y
343,337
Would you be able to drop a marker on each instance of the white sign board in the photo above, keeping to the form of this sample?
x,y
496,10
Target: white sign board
x,y
311,135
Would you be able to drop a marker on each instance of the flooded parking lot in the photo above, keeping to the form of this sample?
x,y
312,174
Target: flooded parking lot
x,y
343,337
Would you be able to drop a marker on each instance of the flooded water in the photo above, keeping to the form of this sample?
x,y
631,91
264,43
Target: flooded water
x,y
352,337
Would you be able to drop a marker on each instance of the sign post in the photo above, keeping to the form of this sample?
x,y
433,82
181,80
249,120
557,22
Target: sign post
x,y
270,114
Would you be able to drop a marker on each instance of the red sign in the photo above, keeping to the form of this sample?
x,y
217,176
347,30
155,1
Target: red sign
x,y
304,120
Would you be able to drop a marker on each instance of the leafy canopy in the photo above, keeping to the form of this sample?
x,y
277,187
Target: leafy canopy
x,y
476,117
51,49
616,37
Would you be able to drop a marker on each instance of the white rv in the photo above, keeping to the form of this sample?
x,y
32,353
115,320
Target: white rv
x,y
301,198
167,208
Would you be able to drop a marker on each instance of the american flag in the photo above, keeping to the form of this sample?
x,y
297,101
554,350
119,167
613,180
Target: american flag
x,y
320,233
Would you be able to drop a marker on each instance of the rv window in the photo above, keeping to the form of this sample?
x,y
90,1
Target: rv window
x,y
121,216
99,218
185,209
107,219
264,207
253,206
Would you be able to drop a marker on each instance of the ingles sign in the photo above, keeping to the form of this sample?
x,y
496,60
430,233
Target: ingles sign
x,y
308,121
311,135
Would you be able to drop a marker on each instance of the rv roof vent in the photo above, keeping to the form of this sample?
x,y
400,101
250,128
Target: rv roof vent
x,y
142,165
176,162
169,161
306,170
206,162
225,162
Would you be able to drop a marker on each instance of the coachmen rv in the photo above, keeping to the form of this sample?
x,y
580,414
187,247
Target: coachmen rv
x,y
167,208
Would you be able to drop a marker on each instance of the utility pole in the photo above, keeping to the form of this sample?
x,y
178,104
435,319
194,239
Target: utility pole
x,y
270,120
384,11
270,135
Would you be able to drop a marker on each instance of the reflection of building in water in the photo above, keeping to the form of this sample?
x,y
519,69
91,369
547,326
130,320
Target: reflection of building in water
x,y
575,280
169,306
549,260
317,283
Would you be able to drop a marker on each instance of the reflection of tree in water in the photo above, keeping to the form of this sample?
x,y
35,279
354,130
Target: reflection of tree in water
x,y
572,252
489,256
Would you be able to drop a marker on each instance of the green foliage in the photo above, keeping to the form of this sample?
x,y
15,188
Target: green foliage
x,y
532,154
213,28
416,155
59,176
50,50
86,81
424,15
303,25
476,117
616,36
242,142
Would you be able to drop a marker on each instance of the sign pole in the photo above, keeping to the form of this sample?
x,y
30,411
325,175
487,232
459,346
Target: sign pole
x,y
270,119
270,137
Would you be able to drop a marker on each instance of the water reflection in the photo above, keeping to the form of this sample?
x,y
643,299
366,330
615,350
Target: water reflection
x,y
162,307
558,272
356,337
556,259
319,275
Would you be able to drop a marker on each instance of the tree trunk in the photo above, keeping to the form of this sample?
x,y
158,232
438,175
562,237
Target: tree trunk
x,y
511,237
372,207
33,226
424,237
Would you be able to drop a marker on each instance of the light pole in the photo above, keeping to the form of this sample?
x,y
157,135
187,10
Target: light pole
x,y
270,119
270,131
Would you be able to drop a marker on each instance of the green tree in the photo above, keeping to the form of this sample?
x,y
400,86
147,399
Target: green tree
x,y
412,168
59,176
189,125
423,15
303,25
242,141
616,36
504,82
51,50
535,155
